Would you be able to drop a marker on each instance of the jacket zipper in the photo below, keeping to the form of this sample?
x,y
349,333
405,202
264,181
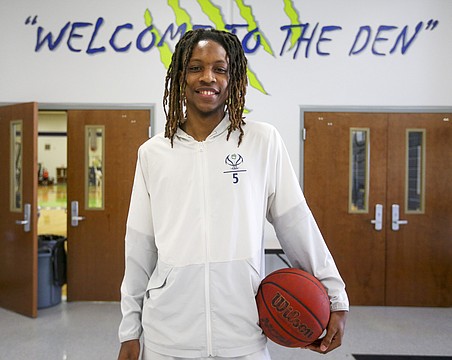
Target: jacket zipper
x,y
207,250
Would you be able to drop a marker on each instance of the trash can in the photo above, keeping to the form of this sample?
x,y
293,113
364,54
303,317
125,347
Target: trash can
x,y
51,269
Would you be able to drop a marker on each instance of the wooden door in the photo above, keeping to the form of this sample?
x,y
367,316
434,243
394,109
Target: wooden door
x,y
102,151
419,254
410,265
19,181
358,249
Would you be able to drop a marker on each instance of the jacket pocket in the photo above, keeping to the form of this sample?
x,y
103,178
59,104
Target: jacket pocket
x,y
255,276
158,280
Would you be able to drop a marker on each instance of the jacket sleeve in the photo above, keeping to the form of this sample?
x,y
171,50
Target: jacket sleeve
x,y
140,254
296,228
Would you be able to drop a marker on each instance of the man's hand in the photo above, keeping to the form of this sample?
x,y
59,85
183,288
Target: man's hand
x,y
130,350
334,334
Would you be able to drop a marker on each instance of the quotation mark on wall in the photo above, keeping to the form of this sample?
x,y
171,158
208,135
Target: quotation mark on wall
x,y
30,21
431,24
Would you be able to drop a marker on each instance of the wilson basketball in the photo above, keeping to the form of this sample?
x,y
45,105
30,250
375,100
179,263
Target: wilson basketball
x,y
293,306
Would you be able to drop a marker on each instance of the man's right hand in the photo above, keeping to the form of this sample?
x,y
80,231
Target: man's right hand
x,y
130,350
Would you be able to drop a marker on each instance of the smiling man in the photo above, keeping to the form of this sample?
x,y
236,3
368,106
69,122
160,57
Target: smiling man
x,y
195,230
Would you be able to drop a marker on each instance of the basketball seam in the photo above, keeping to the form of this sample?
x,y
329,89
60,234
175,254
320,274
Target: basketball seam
x,y
287,271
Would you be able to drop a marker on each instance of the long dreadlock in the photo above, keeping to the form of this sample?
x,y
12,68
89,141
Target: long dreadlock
x,y
174,96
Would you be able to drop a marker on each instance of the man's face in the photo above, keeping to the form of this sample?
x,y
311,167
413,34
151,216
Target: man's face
x,y
207,80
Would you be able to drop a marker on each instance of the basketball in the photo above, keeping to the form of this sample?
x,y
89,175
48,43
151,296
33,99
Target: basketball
x,y
293,307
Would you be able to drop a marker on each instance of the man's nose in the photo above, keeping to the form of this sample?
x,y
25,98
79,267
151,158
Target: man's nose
x,y
208,76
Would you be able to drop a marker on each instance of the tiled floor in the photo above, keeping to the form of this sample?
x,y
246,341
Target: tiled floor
x,y
85,331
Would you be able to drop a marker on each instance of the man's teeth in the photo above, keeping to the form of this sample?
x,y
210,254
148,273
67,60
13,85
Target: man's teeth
x,y
207,92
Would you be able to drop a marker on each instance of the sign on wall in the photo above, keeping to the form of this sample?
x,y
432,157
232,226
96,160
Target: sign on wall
x,y
297,36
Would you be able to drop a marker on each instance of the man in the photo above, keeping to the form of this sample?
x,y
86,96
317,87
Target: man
x,y
202,192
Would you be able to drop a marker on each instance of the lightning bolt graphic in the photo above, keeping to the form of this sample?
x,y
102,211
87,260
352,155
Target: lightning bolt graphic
x,y
247,13
164,49
293,16
182,16
213,13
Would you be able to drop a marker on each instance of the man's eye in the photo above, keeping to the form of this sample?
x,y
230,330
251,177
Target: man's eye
x,y
194,68
222,70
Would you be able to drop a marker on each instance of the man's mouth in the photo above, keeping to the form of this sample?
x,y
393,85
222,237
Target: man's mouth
x,y
207,92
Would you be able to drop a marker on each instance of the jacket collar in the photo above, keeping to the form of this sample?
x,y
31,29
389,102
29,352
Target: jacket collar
x,y
220,129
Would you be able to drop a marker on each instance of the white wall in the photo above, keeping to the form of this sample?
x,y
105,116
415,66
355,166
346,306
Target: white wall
x,y
420,77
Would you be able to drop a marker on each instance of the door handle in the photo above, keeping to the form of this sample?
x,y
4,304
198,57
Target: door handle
x,y
378,221
75,218
27,216
395,218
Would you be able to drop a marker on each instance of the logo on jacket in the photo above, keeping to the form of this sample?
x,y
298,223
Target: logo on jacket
x,y
234,161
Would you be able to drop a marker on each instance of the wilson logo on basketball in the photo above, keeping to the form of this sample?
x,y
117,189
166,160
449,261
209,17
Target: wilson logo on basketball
x,y
282,306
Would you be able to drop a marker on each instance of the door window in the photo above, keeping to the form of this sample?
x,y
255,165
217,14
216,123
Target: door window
x,y
16,166
359,170
415,174
94,172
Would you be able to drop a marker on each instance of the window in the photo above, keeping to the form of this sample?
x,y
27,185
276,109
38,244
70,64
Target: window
x,y
415,171
94,171
359,170
16,196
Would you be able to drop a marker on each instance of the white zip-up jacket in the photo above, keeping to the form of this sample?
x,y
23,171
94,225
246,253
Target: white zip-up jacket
x,y
195,240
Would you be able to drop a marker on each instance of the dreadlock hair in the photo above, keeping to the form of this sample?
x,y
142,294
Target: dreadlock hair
x,y
174,96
